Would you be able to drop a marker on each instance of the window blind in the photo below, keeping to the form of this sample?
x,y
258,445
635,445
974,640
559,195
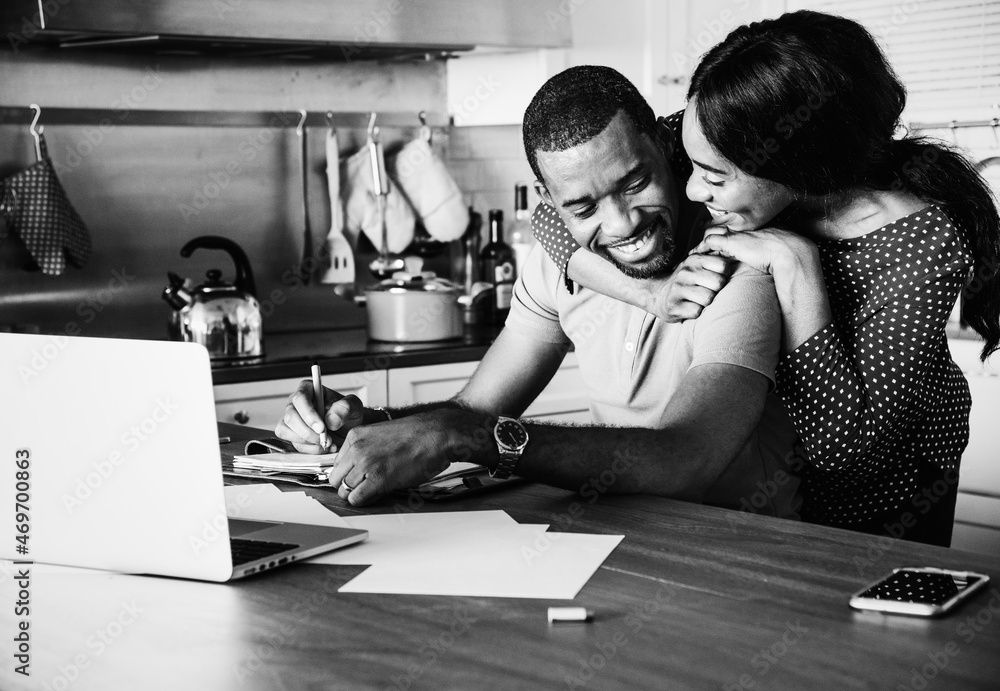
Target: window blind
x,y
947,52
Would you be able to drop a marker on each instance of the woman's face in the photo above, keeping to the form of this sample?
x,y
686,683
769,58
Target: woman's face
x,y
735,199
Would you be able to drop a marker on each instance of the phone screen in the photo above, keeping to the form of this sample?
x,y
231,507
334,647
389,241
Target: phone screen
x,y
920,586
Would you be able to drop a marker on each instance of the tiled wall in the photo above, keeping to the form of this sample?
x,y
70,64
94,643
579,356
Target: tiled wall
x,y
132,184
487,162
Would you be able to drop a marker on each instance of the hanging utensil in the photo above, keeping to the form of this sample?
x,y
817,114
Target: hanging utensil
x,y
341,257
307,266
382,266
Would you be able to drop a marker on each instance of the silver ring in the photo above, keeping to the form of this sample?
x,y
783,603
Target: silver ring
x,y
351,489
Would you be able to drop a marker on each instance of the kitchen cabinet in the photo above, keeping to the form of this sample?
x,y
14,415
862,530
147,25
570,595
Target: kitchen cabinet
x,y
262,403
352,28
977,514
563,400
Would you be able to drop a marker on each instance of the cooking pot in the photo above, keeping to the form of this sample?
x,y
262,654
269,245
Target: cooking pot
x,y
414,306
223,317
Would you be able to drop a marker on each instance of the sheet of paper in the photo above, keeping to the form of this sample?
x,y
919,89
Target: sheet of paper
x,y
265,502
496,563
289,462
398,537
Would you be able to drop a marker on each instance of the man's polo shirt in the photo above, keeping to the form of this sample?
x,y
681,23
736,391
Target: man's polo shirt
x,y
632,364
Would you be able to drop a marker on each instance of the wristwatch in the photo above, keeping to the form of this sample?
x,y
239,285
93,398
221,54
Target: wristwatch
x,y
511,439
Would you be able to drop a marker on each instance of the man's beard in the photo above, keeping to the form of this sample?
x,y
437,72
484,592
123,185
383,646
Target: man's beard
x,y
657,265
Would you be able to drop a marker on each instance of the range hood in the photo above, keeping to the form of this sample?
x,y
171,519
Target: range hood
x,y
341,29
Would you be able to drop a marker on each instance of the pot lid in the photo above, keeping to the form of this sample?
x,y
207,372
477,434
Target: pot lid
x,y
413,279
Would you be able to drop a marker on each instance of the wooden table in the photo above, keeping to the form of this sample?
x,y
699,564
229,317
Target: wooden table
x,y
693,598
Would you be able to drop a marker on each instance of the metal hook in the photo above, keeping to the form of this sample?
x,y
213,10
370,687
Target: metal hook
x,y
371,124
302,122
425,131
994,123
953,125
36,132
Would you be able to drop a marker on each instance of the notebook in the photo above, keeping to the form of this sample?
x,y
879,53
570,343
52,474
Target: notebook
x,y
111,461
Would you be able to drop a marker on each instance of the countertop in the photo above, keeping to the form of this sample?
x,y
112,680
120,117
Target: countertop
x,y
349,350
694,597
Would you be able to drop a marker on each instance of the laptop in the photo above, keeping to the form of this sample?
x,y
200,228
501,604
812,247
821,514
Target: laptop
x,y
110,460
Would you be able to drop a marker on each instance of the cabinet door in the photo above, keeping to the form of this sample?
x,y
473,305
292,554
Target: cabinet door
x,y
564,399
977,513
262,403
981,461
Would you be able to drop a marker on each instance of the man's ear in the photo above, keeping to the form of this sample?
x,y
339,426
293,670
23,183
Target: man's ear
x,y
665,137
543,192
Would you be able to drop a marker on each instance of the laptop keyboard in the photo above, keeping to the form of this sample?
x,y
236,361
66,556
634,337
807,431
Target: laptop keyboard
x,y
249,550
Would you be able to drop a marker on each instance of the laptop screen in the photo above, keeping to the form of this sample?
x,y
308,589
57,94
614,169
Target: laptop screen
x,y
122,466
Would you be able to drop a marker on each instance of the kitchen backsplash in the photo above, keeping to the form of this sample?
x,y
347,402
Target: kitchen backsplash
x,y
145,191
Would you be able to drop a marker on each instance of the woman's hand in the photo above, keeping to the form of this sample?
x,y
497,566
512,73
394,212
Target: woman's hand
x,y
689,289
770,250
794,263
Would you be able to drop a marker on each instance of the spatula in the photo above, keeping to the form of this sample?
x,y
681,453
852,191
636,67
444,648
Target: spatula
x,y
341,256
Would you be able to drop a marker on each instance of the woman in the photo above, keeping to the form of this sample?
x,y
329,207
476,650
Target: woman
x,y
789,126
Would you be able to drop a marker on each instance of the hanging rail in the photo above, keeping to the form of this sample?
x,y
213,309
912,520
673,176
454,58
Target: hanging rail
x,y
953,124
23,115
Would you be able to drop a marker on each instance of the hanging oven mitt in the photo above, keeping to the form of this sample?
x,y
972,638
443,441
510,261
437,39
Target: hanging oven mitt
x,y
361,207
44,219
431,190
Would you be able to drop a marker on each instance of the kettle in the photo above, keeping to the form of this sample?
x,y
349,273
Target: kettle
x,y
223,317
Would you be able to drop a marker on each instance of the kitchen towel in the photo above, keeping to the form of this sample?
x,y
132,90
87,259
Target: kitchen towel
x,y
361,206
43,217
431,190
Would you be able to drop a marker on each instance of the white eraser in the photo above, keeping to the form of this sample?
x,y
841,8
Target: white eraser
x,y
557,614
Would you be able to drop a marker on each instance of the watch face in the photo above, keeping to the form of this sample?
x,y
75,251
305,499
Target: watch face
x,y
511,434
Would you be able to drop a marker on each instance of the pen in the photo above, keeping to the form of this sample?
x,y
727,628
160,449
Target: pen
x,y
324,439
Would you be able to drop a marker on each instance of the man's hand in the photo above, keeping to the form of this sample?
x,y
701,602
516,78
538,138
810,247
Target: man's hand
x,y
302,423
377,459
689,289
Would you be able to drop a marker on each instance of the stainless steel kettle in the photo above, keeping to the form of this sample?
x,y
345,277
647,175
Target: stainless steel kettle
x,y
223,317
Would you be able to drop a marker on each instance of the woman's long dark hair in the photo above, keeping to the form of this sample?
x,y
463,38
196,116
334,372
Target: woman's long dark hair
x,y
808,100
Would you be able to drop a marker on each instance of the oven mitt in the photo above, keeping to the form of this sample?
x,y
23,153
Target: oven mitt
x,y
44,219
361,206
435,196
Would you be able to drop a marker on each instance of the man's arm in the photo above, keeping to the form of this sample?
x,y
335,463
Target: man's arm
x,y
512,373
710,418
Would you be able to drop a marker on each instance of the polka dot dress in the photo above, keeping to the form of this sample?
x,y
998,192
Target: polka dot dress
x,y
552,234
875,396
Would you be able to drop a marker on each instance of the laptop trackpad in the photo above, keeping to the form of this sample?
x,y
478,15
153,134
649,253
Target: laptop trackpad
x,y
240,526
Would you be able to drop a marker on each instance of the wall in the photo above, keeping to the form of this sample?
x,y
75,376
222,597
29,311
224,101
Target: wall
x,y
487,162
145,191
655,44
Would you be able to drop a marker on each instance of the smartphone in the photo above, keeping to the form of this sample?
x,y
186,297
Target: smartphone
x,y
921,591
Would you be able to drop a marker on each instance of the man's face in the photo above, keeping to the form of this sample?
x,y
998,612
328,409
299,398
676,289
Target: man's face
x,y
617,197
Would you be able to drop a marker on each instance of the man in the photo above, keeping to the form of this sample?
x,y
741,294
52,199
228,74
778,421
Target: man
x,y
681,409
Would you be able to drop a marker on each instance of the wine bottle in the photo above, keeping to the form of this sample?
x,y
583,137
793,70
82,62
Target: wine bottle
x,y
521,237
497,266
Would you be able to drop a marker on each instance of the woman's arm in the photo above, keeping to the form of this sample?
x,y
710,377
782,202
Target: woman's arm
x,y
849,392
680,295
